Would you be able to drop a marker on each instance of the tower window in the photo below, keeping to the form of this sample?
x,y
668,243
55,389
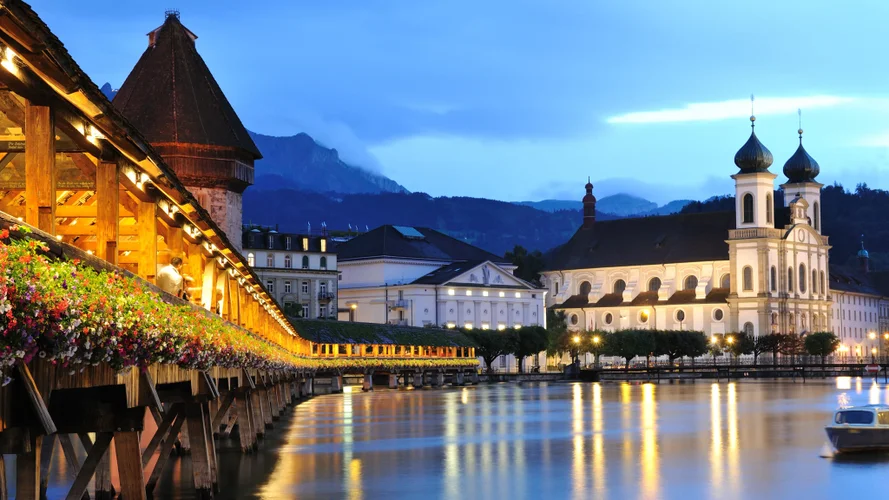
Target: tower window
x,y
585,288
748,279
620,286
790,279
691,282
654,284
769,208
822,283
802,278
726,281
748,208
814,281
773,277
817,213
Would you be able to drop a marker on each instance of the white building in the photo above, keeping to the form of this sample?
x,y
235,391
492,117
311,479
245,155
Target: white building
x,y
296,269
419,276
860,310
760,268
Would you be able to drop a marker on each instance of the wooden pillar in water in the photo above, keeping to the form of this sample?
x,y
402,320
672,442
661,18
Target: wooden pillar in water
x,y
146,221
129,465
107,210
200,458
40,167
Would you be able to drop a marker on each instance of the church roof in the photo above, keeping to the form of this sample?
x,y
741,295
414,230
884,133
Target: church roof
x,y
846,279
753,156
447,273
172,97
801,167
419,243
646,240
716,296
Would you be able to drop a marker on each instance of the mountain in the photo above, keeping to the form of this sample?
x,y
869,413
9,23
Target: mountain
x,y
621,204
299,162
108,91
502,226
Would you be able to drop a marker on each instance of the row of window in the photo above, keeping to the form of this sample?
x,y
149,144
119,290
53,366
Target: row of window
x,y
288,243
654,284
288,261
485,293
747,210
817,279
288,288
644,315
858,315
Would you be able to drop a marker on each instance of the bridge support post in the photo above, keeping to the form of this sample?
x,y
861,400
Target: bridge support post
x,y
368,382
393,381
474,377
418,380
258,415
437,379
336,384
459,379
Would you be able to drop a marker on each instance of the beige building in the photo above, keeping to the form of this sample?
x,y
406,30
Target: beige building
x,y
298,270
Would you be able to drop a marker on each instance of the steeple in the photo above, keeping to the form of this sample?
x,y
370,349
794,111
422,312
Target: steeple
x,y
753,156
173,99
801,167
589,206
863,258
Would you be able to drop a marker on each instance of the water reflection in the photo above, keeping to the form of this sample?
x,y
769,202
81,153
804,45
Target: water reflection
x,y
700,440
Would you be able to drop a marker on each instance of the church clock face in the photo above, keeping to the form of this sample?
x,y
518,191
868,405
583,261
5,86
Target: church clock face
x,y
801,234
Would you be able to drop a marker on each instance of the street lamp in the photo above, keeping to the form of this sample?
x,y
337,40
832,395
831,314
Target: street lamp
x,y
576,349
596,340
873,352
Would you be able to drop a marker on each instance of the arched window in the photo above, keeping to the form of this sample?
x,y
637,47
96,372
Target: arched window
x,y
251,259
817,212
773,277
748,278
814,281
748,208
270,260
305,261
654,284
585,288
288,262
323,262
790,279
748,329
619,286
769,208
726,281
802,278
822,284
691,282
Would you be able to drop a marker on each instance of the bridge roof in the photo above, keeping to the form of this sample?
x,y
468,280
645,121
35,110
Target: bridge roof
x,y
347,332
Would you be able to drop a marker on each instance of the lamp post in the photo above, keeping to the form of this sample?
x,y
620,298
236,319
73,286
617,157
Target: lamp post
x,y
576,348
873,353
714,340
730,341
873,350
596,341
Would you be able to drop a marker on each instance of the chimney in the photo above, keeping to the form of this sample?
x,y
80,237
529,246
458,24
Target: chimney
x,y
863,258
589,206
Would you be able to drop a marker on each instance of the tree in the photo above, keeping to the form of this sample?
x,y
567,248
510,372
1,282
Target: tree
x,y
628,344
772,343
694,344
790,345
821,344
668,343
740,344
559,337
761,344
491,344
528,264
529,340
293,310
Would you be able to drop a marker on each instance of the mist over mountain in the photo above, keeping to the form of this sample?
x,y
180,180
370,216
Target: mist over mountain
x,y
621,204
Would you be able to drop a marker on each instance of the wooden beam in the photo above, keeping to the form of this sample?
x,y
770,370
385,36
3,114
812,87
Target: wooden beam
x,y
27,481
85,212
146,221
129,465
108,210
40,168
95,453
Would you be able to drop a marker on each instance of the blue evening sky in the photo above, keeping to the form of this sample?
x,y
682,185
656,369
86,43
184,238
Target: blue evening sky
x,y
521,99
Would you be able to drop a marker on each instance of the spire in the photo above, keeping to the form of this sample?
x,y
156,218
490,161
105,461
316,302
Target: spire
x,y
753,157
589,206
863,258
801,167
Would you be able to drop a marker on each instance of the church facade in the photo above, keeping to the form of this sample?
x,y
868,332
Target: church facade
x,y
760,268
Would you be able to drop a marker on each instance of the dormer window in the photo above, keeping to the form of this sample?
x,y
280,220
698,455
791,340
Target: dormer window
x,y
251,260
305,244
323,245
287,242
271,242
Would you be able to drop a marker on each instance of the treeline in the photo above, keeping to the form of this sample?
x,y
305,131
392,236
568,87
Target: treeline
x,y
845,215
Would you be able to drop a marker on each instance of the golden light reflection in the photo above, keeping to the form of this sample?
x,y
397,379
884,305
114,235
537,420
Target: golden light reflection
x,y
857,385
650,462
598,442
452,451
844,383
578,476
733,459
354,488
715,438
626,422
873,396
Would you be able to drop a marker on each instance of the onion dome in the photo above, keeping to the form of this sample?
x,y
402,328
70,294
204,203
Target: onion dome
x,y
863,253
588,197
753,157
801,167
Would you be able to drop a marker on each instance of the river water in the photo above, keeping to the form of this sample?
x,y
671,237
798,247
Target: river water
x,y
557,440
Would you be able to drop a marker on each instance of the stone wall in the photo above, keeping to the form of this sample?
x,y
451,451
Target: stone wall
x,y
225,208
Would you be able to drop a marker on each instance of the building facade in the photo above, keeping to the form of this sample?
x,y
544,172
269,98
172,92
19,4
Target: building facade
x,y
299,270
761,268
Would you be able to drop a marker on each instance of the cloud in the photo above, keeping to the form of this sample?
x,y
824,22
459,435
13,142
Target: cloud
x,y
722,110
660,193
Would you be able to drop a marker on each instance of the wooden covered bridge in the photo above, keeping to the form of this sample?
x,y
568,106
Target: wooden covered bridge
x,y
92,353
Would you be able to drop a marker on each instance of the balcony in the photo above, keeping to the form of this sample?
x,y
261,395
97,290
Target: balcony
x,y
398,322
325,297
755,232
398,304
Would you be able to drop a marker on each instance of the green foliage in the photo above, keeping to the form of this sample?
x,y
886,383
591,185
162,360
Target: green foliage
x,y
679,343
821,344
349,332
628,344
529,340
559,337
530,264
293,310
764,344
741,344
492,343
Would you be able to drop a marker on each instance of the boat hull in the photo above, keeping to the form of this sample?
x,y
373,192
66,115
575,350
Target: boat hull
x,y
858,439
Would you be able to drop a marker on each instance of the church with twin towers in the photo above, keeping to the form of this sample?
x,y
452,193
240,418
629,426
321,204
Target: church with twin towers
x,y
760,268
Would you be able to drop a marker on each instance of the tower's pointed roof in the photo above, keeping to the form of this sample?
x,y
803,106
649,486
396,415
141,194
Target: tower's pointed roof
x,y
753,156
172,97
801,167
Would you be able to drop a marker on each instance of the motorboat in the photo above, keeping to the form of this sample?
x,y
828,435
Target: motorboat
x,y
860,429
